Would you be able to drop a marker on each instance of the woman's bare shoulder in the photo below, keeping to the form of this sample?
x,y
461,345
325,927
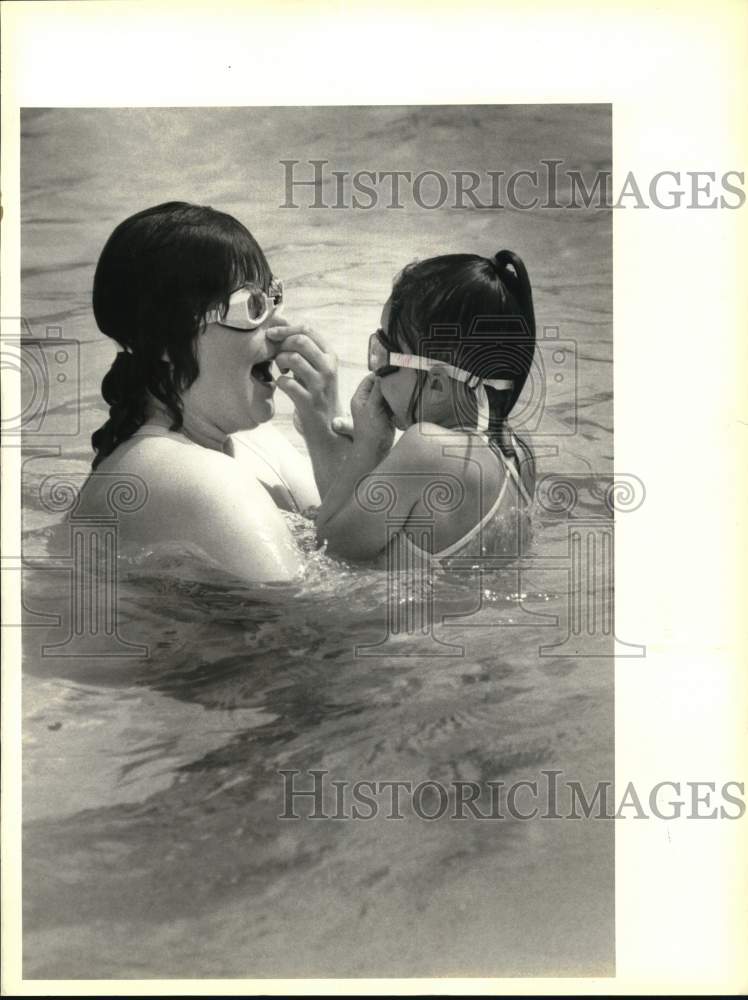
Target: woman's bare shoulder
x,y
164,471
165,459
196,495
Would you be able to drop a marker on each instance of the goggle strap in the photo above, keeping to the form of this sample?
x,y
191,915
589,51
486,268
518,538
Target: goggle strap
x,y
459,374
484,412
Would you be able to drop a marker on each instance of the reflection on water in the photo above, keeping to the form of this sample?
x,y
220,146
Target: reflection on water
x,y
153,845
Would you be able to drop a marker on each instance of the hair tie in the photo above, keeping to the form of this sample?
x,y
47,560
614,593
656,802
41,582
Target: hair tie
x,y
503,259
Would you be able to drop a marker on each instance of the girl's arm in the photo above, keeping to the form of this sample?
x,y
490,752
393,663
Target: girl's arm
x,y
378,485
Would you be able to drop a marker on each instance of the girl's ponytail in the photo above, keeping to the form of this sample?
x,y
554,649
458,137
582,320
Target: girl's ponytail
x,y
517,284
489,300
513,275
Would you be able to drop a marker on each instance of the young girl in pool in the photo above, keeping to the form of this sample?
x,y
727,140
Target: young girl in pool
x,y
447,366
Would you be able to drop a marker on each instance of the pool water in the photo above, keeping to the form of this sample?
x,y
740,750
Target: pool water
x,y
152,789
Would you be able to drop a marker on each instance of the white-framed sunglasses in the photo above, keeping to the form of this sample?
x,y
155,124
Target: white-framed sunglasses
x,y
249,307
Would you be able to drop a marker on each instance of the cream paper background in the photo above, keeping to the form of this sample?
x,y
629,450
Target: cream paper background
x,y
676,77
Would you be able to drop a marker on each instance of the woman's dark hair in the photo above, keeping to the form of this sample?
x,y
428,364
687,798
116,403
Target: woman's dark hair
x,y
473,312
159,273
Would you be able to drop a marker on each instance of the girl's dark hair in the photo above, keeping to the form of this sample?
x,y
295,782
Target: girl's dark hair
x,y
159,273
473,312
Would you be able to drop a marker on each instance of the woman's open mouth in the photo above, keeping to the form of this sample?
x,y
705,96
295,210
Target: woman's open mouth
x,y
262,372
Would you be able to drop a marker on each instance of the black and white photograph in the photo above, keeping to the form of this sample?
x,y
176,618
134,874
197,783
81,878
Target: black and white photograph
x,y
319,672
326,682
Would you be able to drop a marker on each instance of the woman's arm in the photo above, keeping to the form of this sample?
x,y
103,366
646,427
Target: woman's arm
x,y
313,389
327,451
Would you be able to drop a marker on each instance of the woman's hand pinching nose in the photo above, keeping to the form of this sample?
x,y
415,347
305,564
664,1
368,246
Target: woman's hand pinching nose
x,y
309,376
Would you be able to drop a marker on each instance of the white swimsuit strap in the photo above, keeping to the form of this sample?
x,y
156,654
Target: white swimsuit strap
x,y
514,473
509,465
476,528
510,473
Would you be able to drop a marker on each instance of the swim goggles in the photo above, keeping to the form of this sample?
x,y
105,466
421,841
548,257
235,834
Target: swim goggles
x,y
249,307
382,361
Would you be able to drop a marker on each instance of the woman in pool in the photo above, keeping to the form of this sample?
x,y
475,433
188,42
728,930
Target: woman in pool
x,y
448,364
189,296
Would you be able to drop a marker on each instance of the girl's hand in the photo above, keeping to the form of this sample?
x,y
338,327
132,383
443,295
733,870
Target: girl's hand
x,y
373,425
314,387
343,426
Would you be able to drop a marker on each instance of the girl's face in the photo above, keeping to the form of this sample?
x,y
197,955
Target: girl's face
x,y
434,401
398,386
234,390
